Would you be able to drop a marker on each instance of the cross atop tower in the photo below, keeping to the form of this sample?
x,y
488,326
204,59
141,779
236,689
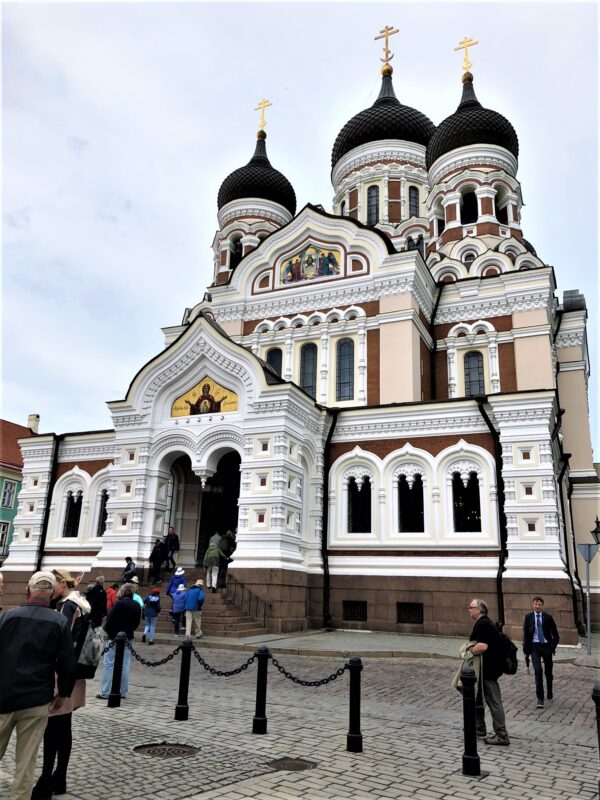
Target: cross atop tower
x,y
464,45
261,107
385,33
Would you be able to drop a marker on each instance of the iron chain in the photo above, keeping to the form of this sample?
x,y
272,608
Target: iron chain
x,y
222,673
111,643
334,675
152,663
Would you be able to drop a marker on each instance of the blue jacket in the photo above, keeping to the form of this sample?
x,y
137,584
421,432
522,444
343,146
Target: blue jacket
x,y
194,598
174,582
152,606
179,601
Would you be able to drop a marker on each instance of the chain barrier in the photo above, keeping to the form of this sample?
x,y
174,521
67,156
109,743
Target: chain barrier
x,y
334,675
152,663
111,643
220,673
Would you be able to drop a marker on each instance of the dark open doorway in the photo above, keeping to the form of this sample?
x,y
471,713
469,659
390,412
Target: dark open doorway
x,y
219,509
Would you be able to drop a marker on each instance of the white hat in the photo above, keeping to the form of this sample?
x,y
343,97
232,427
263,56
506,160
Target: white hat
x,y
42,580
181,586
179,571
135,579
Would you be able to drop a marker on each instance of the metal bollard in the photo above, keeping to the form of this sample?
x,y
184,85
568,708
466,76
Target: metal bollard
x,y
114,698
259,723
182,709
470,759
596,698
354,741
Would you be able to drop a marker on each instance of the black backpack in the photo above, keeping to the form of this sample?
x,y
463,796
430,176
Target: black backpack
x,y
507,652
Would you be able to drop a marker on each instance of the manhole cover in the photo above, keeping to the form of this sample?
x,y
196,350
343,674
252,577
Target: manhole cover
x,y
166,750
292,764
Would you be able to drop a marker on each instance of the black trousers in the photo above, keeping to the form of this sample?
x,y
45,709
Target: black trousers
x,y
542,654
58,741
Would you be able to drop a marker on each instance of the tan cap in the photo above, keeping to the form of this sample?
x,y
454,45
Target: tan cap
x,y
199,582
42,580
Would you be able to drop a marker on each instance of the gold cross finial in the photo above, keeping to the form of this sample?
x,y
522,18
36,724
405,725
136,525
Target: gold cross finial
x,y
385,33
464,45
261,107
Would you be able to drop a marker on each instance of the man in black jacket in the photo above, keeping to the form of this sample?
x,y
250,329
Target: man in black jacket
x,y
540,639
35,646
488,646
124,616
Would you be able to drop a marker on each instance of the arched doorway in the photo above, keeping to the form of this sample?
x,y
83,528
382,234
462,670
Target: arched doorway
x,y
196,512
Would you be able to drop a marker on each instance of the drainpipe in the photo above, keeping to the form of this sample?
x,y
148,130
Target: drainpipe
x,y
327,623
432,365
51,483
501,512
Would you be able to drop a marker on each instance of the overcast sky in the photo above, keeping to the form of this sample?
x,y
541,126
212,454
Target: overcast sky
x,y
122,120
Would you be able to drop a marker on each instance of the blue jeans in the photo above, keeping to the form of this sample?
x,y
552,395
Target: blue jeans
x,y
107,674
150,627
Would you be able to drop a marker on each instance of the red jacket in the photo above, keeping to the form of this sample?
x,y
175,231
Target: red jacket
x,y
111,598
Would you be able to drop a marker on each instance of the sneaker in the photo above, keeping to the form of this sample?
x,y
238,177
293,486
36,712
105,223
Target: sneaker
x,y
102,697
200,636
500,740
143,637
540,704
150,642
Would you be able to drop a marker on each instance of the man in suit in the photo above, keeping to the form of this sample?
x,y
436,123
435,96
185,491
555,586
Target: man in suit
x,y
540,639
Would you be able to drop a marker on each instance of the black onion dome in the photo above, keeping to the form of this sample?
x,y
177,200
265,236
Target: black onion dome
x,y
387,118
471,123
258,179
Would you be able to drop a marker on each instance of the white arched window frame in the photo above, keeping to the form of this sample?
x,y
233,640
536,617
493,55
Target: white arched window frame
x,y
463,338
465,468
410,469
358,464
98,502
359,474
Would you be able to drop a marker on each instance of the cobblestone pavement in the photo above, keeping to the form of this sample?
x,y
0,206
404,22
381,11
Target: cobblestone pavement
x,y
411,725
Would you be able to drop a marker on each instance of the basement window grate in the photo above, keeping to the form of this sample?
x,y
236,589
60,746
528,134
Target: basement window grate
x,y
355,610
409,613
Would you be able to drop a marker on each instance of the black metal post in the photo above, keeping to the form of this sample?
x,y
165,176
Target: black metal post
x,y
259,723
596,697
470,760
114,698
354,741
182,709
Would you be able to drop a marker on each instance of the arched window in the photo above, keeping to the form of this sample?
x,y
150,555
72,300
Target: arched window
x,y
102,514
468,208
474,378
308,368
359,506
344,383
468,258
343,208
372,205
410,505
72,514
466,503
413,201
441,224
501,213
421,246
235,255
411,244
274,359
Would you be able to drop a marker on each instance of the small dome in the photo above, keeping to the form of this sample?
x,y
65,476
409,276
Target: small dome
x,y
471,123
387,118
258,179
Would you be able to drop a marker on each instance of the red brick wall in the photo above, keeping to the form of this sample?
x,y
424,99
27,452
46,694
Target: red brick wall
x,y
373,365
91,467
508,370
432,444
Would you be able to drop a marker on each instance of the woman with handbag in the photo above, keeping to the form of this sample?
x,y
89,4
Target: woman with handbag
x,y
58,736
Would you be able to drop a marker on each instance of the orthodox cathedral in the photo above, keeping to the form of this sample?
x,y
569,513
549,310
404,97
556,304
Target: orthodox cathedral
x,y
387,400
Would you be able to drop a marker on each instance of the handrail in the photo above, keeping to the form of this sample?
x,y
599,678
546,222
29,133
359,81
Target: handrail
x,y
243,598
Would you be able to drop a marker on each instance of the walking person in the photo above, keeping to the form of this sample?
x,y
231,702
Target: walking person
x,y
178,607
125,616
194,597
171,547
135,585
58,736
540,640
151,612
111,596
487,645
36,654
177,578
227,546
129,571
157,556
212,561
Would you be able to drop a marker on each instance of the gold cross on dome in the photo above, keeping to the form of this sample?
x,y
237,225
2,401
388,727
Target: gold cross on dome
x,y
261,107
385,33
464,45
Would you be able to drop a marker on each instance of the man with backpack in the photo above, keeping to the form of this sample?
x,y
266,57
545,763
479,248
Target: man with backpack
x,y
488,646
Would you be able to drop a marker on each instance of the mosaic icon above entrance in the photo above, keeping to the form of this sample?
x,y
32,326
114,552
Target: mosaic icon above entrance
x,y
206,397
